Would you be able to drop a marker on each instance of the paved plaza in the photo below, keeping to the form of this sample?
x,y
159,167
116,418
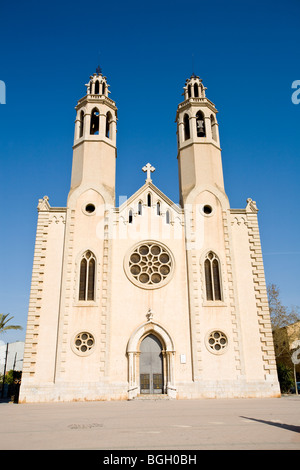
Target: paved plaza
x,y
223,424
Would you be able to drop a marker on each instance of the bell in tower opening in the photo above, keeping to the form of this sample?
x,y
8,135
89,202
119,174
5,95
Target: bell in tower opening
x,y
200,124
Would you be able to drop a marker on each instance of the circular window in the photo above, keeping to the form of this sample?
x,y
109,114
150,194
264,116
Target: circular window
x,y
207,209
90,208
149,265
83,343
216,342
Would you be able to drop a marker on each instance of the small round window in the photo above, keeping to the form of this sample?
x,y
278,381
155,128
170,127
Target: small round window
x,y
207,209
149,265
90,208
216,342
83,343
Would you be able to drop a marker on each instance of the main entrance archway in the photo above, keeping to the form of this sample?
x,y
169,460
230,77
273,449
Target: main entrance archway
x,y
157,342
151,365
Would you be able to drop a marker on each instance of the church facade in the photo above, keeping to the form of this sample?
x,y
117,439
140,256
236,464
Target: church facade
x,y
151,297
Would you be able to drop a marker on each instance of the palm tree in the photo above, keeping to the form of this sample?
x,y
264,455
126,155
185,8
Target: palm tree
x,y
3,323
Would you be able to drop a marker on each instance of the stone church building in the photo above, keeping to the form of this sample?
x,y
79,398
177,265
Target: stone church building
x,y
151,297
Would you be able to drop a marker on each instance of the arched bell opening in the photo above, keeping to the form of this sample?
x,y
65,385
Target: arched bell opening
x,y
95,117
186,126
108,125
81,123
97,87
213,128
200,124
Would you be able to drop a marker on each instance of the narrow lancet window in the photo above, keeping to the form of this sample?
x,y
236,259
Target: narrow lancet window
x,y
87,276
91,279
97,87
108,125
81,123
149,200
130,217
196,90
158,208
167,217
212,277
140,208
186,124
82,281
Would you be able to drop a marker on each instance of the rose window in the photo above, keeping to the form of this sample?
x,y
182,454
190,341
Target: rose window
x,y
150,264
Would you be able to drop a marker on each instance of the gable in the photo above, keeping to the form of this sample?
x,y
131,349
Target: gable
x,y
156,196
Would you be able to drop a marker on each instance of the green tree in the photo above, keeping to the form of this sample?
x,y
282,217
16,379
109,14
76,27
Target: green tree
x,y
4,320
285,377
286,335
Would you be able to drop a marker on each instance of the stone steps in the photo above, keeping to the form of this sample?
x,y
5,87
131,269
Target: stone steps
x,y
154,396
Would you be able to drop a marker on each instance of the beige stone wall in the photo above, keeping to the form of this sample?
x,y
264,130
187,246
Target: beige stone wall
x,y
80,316
41,334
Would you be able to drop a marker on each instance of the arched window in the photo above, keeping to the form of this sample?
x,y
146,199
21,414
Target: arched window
x,y
149,200
130,217
167,217
81,123
94,130
186,123
196,90
108,124
97,87
200,124
87,276
213,127
212,277
189,91
103,88
158,208
140,208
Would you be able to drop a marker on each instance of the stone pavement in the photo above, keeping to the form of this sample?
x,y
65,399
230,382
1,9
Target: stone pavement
x,y
223,424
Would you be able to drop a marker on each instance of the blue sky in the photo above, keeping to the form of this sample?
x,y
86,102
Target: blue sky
x,y
246,52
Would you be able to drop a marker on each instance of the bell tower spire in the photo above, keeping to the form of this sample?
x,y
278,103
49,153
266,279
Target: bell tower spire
x,y
199,153
94,149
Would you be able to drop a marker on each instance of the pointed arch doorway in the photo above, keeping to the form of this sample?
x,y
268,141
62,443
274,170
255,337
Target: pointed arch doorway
x,y
153,339
151,365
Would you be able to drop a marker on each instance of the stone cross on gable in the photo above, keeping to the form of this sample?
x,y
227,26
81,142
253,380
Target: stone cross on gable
x,y
148,168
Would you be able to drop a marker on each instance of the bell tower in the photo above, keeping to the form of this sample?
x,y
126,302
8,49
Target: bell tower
x,y
199,152
94,149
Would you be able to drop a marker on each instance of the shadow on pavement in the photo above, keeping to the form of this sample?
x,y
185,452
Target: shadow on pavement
x,y
289,427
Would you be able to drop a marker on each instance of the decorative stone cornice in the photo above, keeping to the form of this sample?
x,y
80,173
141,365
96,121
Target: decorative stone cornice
x,y
251,206
43,204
